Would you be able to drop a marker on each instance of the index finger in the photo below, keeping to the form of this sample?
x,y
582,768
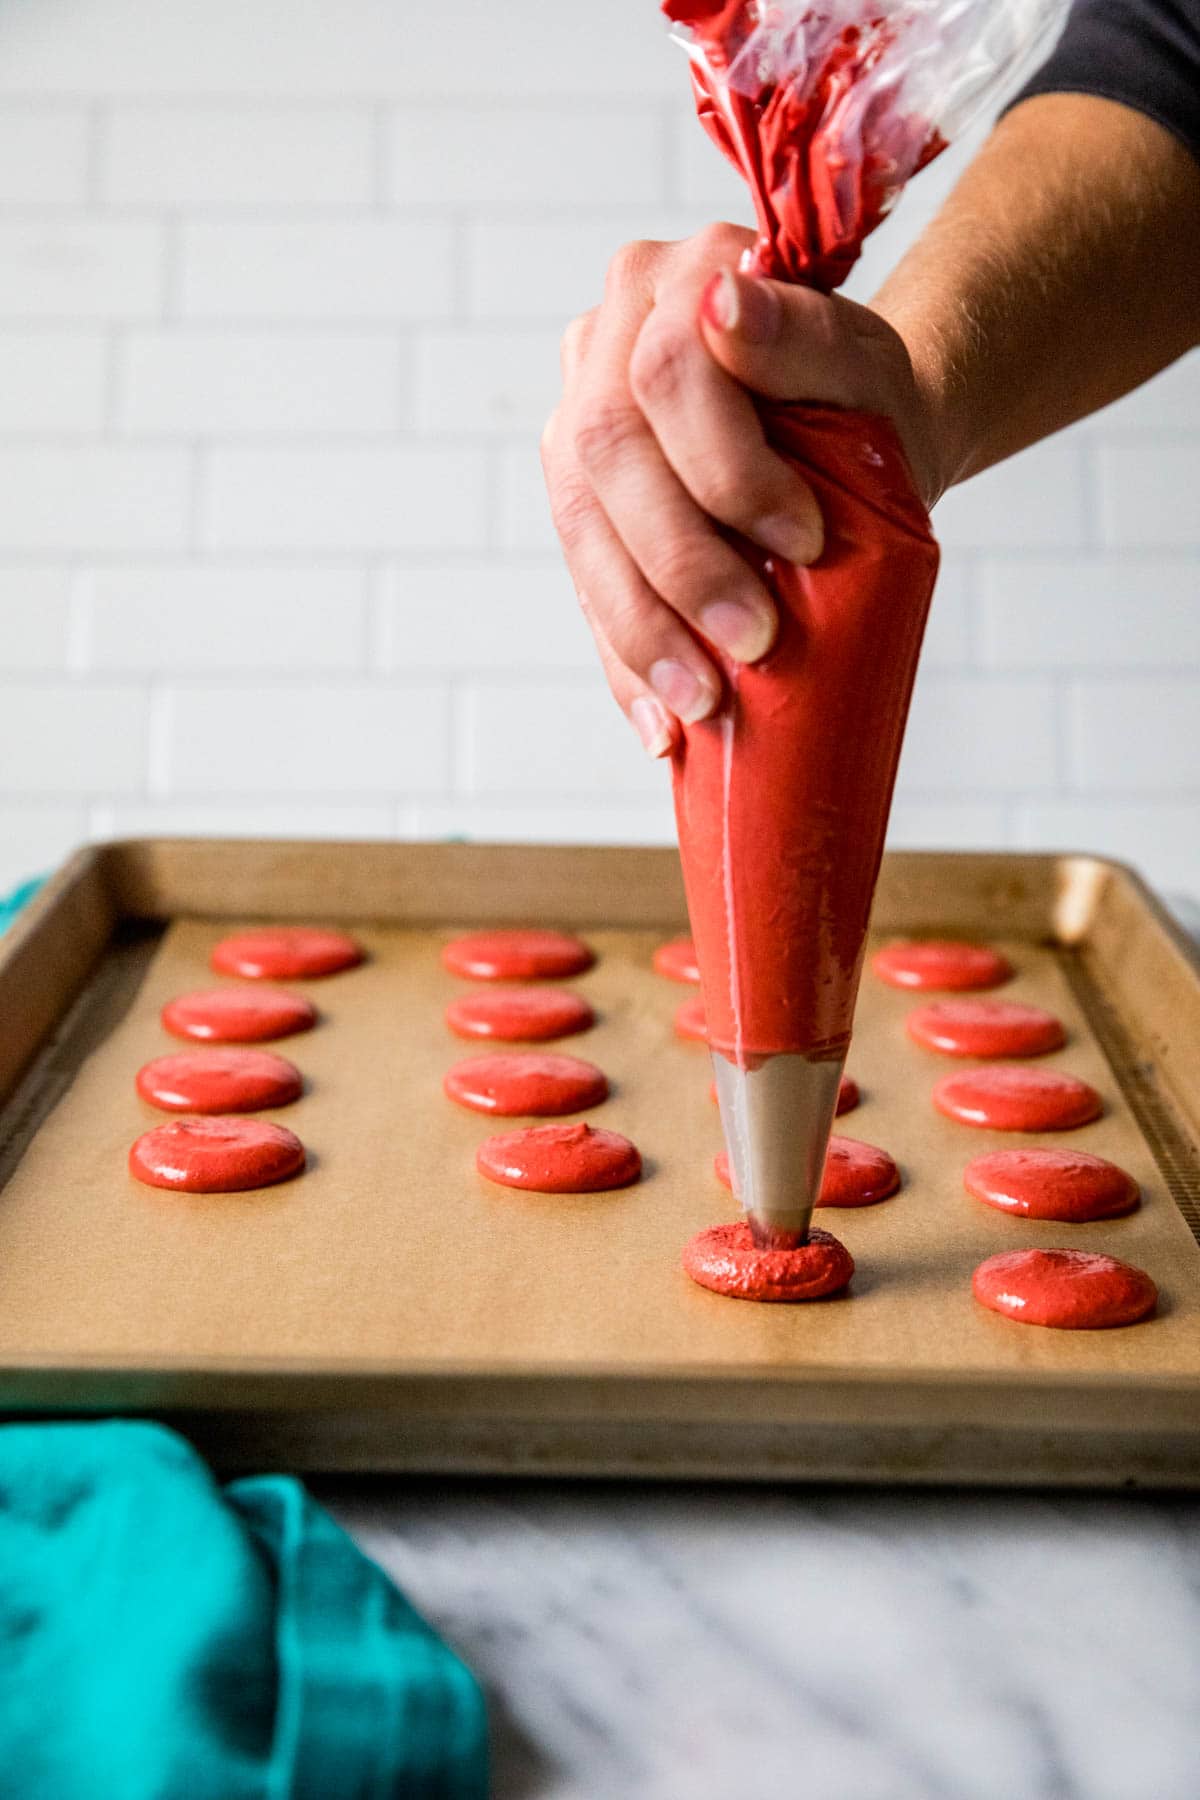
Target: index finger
x,y
709,430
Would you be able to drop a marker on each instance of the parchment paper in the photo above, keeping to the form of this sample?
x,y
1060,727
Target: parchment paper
x,y
392,1250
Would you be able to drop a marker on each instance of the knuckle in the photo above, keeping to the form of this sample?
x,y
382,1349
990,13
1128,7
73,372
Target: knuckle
x,y
828,334
574,342
629,265
721,241
571,508
684,571
658,367
548,445
739,486
828,330
603,429
727,490
628,631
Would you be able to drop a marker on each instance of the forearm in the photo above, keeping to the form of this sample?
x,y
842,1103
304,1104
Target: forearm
x,y
1063,270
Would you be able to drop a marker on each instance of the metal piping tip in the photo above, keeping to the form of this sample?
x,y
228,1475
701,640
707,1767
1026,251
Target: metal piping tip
x,y
777,1118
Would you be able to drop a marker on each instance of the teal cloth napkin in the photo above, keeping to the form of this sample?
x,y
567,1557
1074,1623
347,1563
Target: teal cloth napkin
x,y
162,1636
11,903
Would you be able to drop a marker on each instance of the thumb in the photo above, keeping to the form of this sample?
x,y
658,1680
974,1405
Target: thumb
x,y
792,343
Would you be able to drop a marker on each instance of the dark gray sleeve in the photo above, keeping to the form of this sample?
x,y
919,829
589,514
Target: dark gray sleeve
x,y
1144,53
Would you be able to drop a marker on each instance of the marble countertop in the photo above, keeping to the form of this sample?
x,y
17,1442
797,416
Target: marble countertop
x,y
760,1643
717,1643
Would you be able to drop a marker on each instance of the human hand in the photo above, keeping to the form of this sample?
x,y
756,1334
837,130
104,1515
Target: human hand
x,y
656,452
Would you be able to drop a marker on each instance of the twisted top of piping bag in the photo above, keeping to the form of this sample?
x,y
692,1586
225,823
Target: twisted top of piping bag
x,y
829,108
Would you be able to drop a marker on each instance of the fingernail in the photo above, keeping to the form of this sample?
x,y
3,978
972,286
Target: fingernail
x,y
719,302
742,303
651,724
799,540
689,698
744,632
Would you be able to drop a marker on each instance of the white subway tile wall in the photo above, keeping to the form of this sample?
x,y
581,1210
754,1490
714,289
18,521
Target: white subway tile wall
x,y
280,296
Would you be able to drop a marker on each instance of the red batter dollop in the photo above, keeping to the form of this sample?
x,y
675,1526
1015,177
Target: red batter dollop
x,y
560,1159
677,960
286,953
1071,1290
855,1174
939,963
690,1021
1067,1185
1008,1097
238,1015
985,1028
519,1015
726,1259
216,1156
219,1081
533,1082
517,955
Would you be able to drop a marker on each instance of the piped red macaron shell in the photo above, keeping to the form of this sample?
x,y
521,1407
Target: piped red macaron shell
x,y
1069,1290
219,1081
560,1159
519,1014
238,1015
286,953
216,1156
511,955
526,1082
1065,1185
726,1260
985,1028
848,1098
856,1174
677,960
690,1021
1008,1097
940,963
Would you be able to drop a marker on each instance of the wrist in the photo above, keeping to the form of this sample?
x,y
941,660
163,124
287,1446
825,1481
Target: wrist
x,y
919,411
946,457
941,424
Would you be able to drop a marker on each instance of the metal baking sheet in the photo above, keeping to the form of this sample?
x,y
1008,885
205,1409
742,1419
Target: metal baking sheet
x,y
391,1308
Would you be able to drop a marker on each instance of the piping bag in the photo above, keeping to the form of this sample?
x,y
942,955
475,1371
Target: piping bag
x,y
827,107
